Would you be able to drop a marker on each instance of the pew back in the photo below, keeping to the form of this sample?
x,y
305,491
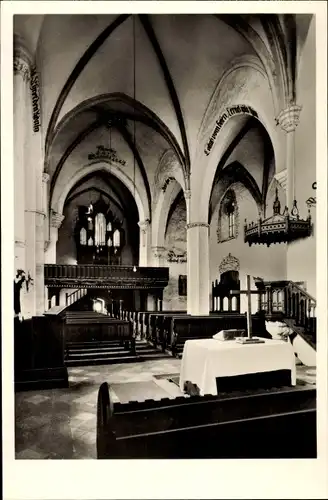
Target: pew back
x,y
83,326
254,425
178,329
156,326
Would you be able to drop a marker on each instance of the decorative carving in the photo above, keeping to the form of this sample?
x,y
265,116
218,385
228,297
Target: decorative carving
x,y
289,118
281,178
46,245
56,219
229,263
279,228
106,153
197,224
35,93
45,177
187,194
22,67
144,225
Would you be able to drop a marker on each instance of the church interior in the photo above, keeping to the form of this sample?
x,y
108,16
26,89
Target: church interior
x,y
164,211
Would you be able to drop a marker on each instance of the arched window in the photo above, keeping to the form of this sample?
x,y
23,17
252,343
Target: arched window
x,y
231,216
100,230
83,236
90,224
109,242
228,217
117,238
109,226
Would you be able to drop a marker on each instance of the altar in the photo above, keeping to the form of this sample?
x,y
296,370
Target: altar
x,y
205,361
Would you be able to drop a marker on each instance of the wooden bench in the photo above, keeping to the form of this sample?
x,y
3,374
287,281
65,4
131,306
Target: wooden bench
x,y
86,327
279,423
156,326
39,353
143,318
177,329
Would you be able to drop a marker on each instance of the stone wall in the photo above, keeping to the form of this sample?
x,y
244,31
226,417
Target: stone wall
x,y
176,257
257,260
305,166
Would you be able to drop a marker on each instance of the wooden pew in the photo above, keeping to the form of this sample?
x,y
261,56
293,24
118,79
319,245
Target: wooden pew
x,y
156,322
259,424
177,329
87,327
39,353
143,323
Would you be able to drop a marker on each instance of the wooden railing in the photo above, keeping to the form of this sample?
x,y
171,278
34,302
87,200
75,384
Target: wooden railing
x,y
105,276
76,295
300,306
288,300
223,300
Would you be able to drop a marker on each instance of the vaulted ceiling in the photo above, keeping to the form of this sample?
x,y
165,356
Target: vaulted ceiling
x,y
160,71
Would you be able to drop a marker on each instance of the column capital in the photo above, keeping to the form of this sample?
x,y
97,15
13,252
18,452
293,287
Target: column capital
x,y
289,118
56,219
158,252
45,177
22,67
187,194
144,224
281,178
197,224
22,58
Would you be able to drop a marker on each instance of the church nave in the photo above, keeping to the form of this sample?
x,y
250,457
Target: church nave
x,y
166,236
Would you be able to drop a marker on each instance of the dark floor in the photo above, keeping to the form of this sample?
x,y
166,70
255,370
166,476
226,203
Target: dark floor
x,y
61,423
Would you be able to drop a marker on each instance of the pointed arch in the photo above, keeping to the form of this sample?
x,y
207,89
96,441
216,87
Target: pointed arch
x,y
60,192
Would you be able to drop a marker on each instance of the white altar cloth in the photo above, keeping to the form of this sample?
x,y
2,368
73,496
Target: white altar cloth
x,y
205,360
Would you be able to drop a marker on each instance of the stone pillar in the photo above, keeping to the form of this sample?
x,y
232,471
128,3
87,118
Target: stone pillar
x,y
144,240
34,207
159,254
187,195
288,119
45,182
22,75
198,288
56,220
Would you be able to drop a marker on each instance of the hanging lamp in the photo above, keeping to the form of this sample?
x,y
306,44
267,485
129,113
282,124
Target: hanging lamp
x,y
280,227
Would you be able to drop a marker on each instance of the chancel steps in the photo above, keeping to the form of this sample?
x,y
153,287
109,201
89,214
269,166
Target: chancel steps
x,y
110,352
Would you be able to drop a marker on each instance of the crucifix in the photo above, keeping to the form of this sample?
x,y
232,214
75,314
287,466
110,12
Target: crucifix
x,y
249,339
